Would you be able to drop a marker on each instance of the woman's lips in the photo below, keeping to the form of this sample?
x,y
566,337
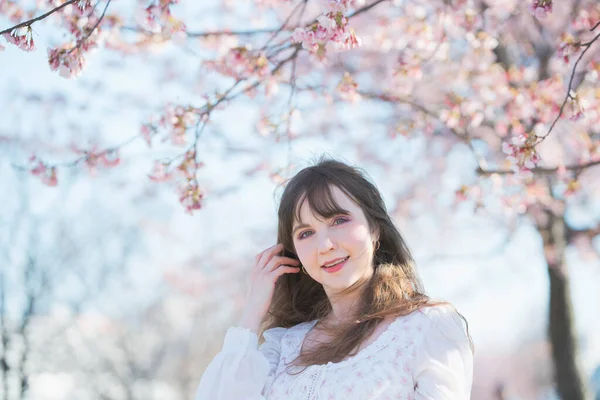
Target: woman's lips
x,y
336,267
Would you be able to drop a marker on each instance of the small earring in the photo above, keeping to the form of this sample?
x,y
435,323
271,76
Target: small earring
x,y
304,270
377,245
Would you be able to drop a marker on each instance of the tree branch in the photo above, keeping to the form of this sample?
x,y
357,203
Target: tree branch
x,y
540,170
226,32
31,21
463,136
365,8
568,96
80,42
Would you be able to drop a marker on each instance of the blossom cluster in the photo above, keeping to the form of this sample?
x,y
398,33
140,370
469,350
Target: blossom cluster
x,y
330,33
541,8
83,7
157,17
241,63
568,47
46,173
21,37
68,62
12,11
176,120
95,158
88,31
348,88
190,193
521,152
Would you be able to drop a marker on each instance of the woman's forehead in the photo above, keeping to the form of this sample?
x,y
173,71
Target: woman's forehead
x,y
323,206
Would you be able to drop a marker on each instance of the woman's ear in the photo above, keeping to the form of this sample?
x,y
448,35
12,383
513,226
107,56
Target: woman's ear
x,y
376,235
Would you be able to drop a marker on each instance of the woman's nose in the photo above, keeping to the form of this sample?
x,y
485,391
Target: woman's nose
x,y
325,244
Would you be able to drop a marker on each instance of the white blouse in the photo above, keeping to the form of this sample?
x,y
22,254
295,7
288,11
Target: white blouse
x,y
423,355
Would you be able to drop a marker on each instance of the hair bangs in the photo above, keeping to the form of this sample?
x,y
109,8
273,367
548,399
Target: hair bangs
x,y
320,200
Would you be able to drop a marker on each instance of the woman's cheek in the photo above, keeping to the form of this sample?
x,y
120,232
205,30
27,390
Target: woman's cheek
x,y
359,234
301,251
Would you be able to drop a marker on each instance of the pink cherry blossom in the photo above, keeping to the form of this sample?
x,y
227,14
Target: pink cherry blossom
x,y
68,62
46,174
541,8
21,37
160,173
177,119
83,7
188,168
330,33
348,88
337,6
190,196
147,131
521,152
12,11
158,18
462,194
568,47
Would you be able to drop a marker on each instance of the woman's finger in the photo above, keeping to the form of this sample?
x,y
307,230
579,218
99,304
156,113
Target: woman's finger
x,y
280,260
268,254
283,270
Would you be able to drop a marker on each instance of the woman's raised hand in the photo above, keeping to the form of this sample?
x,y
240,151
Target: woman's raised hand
x,y
268,267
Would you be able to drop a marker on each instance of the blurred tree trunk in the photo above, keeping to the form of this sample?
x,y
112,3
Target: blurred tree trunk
x,y
561,324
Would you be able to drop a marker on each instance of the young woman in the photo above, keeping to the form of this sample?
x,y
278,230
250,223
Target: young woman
x,y
340,307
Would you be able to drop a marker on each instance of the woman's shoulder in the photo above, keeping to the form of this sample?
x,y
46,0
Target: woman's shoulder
x,y
443,317
279,332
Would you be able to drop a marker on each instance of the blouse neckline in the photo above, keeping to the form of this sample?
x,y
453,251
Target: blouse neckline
x,y
379,343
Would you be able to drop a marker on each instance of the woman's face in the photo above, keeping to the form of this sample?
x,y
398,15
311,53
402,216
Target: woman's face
x,y
320,241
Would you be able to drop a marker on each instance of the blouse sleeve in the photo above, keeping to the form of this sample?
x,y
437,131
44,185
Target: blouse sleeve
x,y
444,361
242,369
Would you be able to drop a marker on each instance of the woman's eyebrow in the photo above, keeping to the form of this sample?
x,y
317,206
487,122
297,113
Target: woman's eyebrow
x,y
348,213
300,227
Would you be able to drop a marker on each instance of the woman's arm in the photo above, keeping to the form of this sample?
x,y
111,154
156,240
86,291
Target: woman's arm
x,y
444,360
241,370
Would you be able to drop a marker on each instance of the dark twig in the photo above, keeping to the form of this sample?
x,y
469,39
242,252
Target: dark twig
x,y
365,8
540,170
80,41
568,96
282,27
31,21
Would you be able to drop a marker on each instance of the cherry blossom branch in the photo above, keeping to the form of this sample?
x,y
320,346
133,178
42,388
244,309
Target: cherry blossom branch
x,y
365,8
225,32
287,20
31,21
399,100
86,157
540,170
587,46
253,32
462,136
83,39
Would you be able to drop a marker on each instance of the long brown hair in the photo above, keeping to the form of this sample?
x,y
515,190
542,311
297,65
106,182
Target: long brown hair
x,y
394,288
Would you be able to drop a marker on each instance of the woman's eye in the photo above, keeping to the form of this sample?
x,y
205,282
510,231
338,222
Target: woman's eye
x,y
337,221
304,234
